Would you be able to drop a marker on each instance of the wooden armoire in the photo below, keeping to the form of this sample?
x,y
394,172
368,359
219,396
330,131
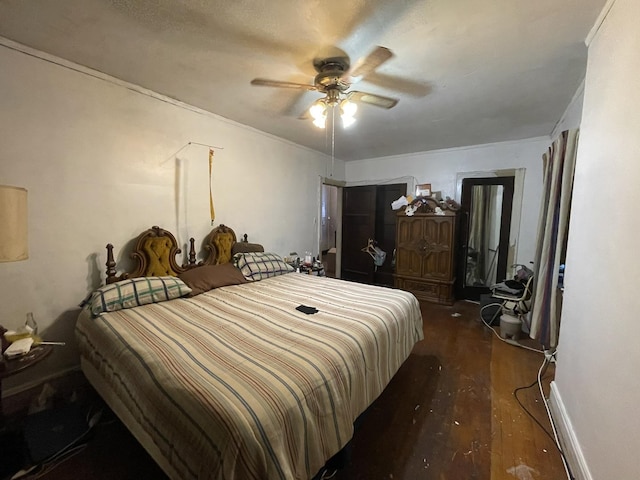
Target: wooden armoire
x,y
425,255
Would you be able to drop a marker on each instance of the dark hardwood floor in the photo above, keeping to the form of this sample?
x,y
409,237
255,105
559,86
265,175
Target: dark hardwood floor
x,y
448,414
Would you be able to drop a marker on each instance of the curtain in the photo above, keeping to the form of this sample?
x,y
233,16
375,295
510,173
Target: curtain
x,y
478,234
558,168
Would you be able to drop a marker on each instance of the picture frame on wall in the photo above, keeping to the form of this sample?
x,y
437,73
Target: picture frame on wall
x,y
423,190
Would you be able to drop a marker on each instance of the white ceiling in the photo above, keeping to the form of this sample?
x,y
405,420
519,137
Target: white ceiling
x,y
466,72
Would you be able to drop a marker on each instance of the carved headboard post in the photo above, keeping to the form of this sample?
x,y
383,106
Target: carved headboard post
x,y
191,263
111,265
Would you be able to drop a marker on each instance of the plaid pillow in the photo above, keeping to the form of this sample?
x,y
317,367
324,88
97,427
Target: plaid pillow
x,y
259,265
135,292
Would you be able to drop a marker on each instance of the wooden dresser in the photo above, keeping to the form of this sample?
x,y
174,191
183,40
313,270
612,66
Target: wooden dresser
x,y
425,252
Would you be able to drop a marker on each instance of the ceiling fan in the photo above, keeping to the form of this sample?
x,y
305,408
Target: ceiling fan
x,y
335,77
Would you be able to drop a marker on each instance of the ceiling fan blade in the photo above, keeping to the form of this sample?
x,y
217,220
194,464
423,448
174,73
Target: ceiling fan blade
x,y
306,115
399,84
371,62
373,99
263,82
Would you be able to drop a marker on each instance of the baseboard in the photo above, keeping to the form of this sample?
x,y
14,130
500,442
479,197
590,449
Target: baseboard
x,y
567,436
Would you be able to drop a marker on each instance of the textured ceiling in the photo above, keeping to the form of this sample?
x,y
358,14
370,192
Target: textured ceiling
x,y
466,72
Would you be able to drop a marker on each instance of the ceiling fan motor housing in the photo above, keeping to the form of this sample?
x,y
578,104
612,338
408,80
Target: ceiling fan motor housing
x,y
330,73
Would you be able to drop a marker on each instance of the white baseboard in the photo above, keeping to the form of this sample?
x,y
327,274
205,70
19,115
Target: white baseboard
x,y
567,436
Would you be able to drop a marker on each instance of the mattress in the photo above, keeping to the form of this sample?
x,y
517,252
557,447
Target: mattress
x,y
236,383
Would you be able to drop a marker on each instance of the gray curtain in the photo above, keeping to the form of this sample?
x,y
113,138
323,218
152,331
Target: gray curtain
x,y
558,169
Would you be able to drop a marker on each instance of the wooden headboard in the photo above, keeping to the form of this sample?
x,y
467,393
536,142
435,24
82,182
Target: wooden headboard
x,y
222,245
155,253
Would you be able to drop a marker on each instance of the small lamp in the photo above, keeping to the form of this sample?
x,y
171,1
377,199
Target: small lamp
x,y
14,245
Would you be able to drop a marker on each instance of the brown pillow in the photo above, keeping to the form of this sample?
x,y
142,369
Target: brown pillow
x,y
208,277
246,247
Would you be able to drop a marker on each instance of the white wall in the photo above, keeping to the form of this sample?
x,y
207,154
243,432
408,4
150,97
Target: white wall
x,y
599,356
98,159
440,169
572,115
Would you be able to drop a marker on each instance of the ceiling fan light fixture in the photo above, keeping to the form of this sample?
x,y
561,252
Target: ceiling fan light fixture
x,y
318,109
318,112
348,110
347,121
320,122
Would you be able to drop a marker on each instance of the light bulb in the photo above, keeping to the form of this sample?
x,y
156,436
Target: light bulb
x,y
348,108
347,121
320,122
318,110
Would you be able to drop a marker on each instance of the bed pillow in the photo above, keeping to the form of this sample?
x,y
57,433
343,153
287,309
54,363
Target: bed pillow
x,y
246,247
208,277
136,291
257,265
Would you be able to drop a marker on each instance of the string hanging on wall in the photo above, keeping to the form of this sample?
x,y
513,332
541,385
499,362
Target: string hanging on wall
x,y
188,144
211,209
181,173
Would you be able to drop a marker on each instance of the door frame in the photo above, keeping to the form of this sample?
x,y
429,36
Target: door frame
x,y
340,185
518,195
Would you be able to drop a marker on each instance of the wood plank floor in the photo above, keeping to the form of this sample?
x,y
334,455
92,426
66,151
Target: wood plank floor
x,y
463,422
448,414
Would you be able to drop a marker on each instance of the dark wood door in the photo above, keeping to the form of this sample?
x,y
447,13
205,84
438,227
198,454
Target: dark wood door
x,y
358,226
386,230
367,214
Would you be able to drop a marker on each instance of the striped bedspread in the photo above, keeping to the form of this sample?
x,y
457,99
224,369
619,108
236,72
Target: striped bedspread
x,y
236,383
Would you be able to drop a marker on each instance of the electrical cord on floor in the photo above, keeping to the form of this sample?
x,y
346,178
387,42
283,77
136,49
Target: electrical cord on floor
x,y
69,451
556,441
510,342
327,474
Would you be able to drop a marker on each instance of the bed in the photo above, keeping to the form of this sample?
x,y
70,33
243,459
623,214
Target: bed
x,y
237,381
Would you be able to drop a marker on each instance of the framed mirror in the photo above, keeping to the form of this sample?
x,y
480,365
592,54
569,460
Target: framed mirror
x,y
486,205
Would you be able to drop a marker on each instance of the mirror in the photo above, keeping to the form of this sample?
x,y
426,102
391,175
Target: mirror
x,y
486,205
484,235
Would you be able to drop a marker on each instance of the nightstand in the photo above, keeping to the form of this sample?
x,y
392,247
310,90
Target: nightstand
x,y
12,443
9,368
312,270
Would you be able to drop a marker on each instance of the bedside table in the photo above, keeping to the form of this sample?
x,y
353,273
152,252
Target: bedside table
x,y
9,368
312,270
12,441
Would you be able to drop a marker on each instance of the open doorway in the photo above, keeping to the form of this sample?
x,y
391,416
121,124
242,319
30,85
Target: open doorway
x,y
330,207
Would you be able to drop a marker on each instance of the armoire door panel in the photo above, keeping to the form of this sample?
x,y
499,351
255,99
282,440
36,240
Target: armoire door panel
x,y
437,265
425,256
408,262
